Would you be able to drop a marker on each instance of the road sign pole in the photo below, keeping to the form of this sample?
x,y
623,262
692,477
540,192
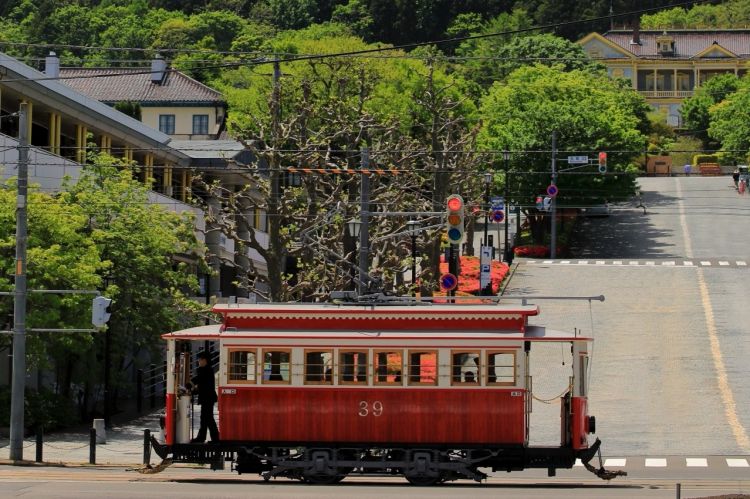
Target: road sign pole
x,y
553,204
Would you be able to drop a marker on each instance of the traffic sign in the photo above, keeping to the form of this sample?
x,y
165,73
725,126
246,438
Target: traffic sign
x,y
552,190
497,203
578,160
498,215
448,282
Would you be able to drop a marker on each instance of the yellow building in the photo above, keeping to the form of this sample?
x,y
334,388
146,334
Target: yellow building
x,y
667,66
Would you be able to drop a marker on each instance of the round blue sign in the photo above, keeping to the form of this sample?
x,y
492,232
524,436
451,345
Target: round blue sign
x,y
552,190
448,282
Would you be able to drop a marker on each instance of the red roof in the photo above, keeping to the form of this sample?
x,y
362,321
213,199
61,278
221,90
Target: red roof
x,y
688,42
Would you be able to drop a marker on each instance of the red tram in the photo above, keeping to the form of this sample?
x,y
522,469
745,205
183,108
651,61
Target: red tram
x,y
431,392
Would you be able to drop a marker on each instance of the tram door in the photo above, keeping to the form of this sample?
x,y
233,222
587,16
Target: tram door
x,y
178,397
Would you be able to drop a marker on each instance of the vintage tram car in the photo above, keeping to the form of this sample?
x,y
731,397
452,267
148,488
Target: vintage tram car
x,y
433,392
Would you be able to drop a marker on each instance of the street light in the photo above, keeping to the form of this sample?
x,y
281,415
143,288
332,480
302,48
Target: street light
x,y
106,281
507,255
354,226
413,226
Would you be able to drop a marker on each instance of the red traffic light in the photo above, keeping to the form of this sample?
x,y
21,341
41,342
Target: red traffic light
x,y
603,158
455,203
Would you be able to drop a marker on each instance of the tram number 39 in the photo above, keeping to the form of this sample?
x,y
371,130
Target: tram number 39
x,y
366,409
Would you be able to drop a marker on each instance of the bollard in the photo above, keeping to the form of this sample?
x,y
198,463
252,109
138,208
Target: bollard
x,y
101,431
146,447
92,446
677,490
39,444
139,390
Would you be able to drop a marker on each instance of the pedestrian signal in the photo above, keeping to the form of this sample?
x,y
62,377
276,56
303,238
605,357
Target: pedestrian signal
x,y
455,219
602,162
100,311
539,203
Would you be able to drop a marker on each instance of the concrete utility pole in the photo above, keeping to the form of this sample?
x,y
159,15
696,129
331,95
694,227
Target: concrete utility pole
x,y
364,216
553,203
19,303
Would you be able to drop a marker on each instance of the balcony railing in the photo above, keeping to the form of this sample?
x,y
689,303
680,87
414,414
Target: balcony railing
x,y
656,94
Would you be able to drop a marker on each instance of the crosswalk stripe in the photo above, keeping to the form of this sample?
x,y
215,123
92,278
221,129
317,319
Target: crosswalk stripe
x,y
632,263
696,462
737,463
668,263
656,462
687,263
615,462
565,262
650,263
600,262
723,263
741,263
705,263
617,262
583,262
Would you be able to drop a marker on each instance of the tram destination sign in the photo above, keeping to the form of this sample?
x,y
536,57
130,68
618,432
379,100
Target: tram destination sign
x,y
578,160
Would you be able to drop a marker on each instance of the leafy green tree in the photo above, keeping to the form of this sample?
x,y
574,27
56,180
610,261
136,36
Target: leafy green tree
x,y
730,123
293,14
730,14
695,110
356,16
588,112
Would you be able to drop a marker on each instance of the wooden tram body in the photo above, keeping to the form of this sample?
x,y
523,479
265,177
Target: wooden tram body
x,y
432,392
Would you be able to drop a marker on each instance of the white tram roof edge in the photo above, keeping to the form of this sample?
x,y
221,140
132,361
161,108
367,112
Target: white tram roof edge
x,y
532,333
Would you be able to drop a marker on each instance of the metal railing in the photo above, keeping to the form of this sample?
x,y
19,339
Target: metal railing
x,y
149,382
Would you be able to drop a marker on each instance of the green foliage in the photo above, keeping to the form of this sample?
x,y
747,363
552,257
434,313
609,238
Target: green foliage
x,y
661,136
42,408
695,110
681,149
355,15
729,14
588,112
132,109
730,123
705,158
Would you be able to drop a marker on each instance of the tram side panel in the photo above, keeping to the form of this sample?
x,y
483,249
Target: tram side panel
x,y
373,415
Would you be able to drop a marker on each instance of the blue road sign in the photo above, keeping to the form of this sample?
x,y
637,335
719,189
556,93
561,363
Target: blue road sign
x,y
497,203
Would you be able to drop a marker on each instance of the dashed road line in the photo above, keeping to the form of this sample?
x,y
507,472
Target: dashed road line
x,y
645,263
696,462
656,462
737,463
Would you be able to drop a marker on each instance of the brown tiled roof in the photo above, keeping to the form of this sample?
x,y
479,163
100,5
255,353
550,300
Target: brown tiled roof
x,y
112,85
687,43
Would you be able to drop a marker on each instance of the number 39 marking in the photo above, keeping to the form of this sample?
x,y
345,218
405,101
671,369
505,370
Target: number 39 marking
x,y
365,409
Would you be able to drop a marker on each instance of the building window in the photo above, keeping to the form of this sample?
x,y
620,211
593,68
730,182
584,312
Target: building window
x,y
200,124
166,123
241,366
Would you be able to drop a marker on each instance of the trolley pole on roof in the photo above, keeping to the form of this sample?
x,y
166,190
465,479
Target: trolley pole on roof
x,y
19,302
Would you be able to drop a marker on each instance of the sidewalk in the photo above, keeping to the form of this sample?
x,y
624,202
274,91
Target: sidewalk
x,y
124,444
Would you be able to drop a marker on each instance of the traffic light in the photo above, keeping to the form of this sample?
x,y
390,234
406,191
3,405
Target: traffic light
x,y
539,203
602,162
100,311
547,203
455,225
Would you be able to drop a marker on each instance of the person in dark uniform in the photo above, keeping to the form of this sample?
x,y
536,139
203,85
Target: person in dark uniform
x,y
203,383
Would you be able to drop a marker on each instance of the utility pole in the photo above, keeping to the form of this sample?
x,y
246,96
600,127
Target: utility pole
x,y
553,232
508,255
19,303
364,236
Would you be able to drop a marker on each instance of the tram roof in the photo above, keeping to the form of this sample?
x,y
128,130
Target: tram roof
x,y
371,317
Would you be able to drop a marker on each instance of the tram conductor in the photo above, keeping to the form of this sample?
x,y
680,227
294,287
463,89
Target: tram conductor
x,y
203,385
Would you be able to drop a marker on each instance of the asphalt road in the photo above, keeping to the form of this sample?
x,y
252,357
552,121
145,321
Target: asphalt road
x,y
670,361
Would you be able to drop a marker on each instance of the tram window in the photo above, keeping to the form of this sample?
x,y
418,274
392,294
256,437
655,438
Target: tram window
x,y
465,368
353,367
276,366
241,366
389,364
423,367
501,368
319,367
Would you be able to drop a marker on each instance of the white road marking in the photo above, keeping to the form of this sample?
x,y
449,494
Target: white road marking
x,y
578,463
583,262
548,261
656,462
600,262
566,262
617,262
620,463
650,263
696,462
668,263
723,263
687,263
741,264
737,463
632,263
727,397
705,263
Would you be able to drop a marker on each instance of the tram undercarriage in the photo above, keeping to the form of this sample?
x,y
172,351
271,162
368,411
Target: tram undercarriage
x,y
419,465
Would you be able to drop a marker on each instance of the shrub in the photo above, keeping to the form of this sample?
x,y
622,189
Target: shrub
x,y
705,158
43,407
